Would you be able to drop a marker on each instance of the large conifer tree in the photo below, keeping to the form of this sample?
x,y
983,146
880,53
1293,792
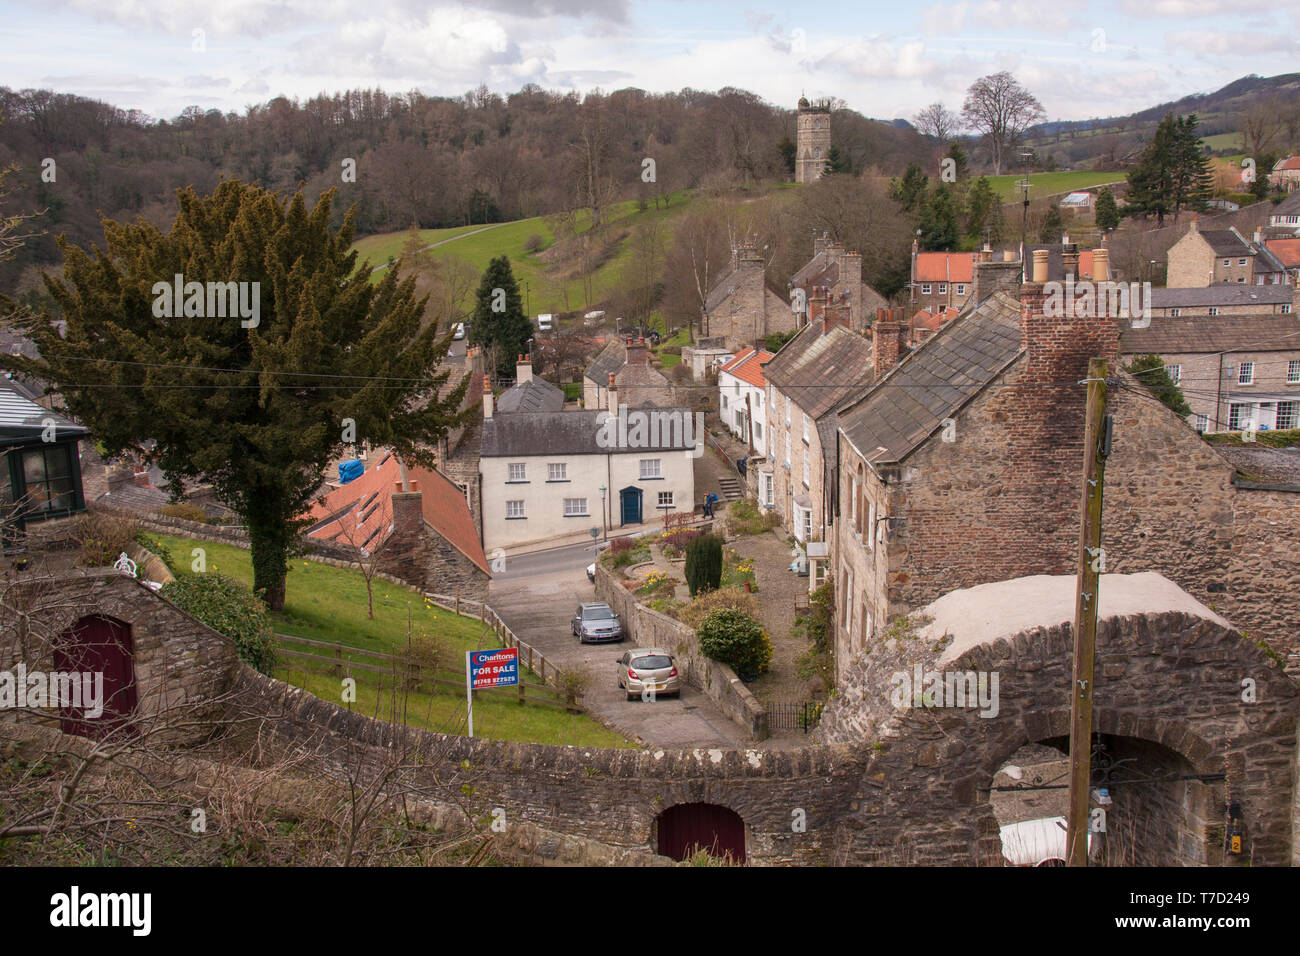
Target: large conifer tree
x,y
258,411
499,323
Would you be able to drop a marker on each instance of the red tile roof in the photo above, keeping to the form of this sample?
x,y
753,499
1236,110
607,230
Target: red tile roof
x,y
945,266
364,506
1286,250
746,370
1291,162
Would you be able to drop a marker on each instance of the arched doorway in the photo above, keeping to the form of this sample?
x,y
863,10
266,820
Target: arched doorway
x,y
688,827
96,646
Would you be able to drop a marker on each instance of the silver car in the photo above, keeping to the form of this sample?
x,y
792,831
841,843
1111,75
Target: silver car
x,y
594,623
650,669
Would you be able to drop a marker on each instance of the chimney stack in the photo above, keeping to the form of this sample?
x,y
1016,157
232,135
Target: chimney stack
x,y
1101,265
1040,266
408,512
1059,346
1070,260
887,340
523,369
611,397
817,296
487,396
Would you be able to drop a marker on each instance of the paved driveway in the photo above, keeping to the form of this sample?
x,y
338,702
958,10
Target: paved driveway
x,y
537,596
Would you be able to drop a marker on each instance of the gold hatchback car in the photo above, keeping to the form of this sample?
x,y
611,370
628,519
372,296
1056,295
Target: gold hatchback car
x,y
648,672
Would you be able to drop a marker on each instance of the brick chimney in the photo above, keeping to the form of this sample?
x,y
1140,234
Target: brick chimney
x,y
487,396
838,310
611,396
523,369
887,339
638,354
817,301
408,512
851,280
1058,347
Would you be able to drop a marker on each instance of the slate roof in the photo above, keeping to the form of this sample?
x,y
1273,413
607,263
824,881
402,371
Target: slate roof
x,y
1265,261
1287,207
639,384
609,359
575,432
818,370
821,269
1221,293
909,404
1169,335
536,395
1225,242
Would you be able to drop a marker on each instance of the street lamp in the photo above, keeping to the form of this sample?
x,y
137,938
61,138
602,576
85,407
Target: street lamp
x,y
604,523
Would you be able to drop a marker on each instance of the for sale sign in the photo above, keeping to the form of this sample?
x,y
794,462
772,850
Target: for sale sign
x,y
499,668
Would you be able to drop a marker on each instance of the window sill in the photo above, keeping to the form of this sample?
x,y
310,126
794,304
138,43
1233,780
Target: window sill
x,y
516,517
556,481
655,478
583,515
518,481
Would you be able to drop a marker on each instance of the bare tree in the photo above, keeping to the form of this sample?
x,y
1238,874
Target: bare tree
x,y
1260,124
938,121
998,107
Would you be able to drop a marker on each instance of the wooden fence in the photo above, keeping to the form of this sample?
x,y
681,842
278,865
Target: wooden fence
x,y
529,656
343,659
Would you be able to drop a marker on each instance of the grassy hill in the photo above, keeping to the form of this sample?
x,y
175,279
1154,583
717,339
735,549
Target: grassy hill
x,y
1050,184
549,287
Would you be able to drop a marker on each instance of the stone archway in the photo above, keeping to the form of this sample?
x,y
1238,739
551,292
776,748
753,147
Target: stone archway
x,y
1170,701
684,828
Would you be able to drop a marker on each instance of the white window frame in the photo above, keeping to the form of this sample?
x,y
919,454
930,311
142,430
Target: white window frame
x,y
575,508
961,288
1234,415
807,471
1202,422
805,429
1175,312
871,527
553,475
1246,373
925,288
655,469
1293,372
1175,373
517,471
513,512
943,288
665,499
1293,413
1214,310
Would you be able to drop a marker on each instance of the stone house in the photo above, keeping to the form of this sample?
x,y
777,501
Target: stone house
x,y
1223,299
807,379
742,308
1285,218
706,356
1211,256
742,394
637,382
834,268
1234,370
941,279
961,466
547,474
456,453
416,520
1286,173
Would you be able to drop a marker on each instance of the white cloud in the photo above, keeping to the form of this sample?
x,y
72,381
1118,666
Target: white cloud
x,y
1231,44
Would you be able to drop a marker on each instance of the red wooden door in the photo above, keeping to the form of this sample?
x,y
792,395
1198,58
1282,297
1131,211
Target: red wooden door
x,y
686,827
99,645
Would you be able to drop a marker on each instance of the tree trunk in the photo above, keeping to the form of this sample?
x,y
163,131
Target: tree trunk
x,y
269,540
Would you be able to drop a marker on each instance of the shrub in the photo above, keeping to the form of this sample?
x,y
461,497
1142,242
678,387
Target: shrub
x,y
744,517
737,640
680,538
573,682
186,511
230,608
533,243
693,614
102,537
619,545
704,563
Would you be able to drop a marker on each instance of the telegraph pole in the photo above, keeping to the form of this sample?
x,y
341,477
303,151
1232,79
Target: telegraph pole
x,y
1092,561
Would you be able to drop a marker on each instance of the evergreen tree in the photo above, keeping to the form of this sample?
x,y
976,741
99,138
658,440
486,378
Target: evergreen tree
x,y
910,191
980,205
499,323
1193,179
1150,371
837,161
1167,176
258,409
939,226
1107,211
1052,226
703,563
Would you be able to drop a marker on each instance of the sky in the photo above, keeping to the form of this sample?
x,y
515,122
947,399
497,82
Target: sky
x,y
885,60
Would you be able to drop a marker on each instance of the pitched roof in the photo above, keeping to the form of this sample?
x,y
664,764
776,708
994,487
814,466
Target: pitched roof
x,y
575,432
816,271
1287,207
1265,261
447,512
535,395
1287,251
609,359
638,384
1169,335
748,366
723,286
20,417
910,403
818,370
945,266
1290,162
1225,242
1221,293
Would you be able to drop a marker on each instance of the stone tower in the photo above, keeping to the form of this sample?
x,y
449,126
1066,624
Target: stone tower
x,y
813,142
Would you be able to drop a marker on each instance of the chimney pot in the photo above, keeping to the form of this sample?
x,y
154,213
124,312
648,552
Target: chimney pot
x,y
1040,266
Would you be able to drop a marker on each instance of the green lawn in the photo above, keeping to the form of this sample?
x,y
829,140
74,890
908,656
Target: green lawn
x,y
1049,184
325,603
681,337
545,293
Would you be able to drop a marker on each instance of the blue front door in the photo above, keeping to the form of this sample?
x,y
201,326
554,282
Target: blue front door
x,y
630,502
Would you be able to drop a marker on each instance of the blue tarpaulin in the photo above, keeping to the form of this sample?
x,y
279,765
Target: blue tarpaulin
x,y
351,470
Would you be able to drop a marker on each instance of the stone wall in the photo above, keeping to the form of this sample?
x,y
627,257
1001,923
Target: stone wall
x,y
182,667
421,557
649,628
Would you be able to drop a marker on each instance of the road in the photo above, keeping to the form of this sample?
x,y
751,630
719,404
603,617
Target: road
x,y
537,595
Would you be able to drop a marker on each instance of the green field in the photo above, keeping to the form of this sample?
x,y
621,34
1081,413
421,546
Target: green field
x,y
1051,184
544,292
325,603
